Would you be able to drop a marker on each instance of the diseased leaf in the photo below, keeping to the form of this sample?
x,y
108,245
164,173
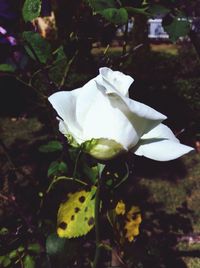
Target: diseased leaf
x,y
51,146
38,44
76,215
125,222
31,9
132,223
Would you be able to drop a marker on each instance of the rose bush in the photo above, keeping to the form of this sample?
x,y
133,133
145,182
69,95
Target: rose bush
x,y
102,119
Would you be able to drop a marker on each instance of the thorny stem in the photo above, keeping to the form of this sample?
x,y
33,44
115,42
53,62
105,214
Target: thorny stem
x,y
76,164
97,231
57,179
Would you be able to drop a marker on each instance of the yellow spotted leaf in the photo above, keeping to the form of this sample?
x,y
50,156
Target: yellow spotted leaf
x,y
76,215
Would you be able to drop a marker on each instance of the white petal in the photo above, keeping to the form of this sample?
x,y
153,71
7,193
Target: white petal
x,y
114,81
161,131
160,144
108,122
64,103
86,97
142,117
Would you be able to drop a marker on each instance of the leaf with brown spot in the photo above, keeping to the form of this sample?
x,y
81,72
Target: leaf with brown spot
x,y
74,212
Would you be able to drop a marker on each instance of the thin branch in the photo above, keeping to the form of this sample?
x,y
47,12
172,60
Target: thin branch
x,y
67,69
51,84
125,40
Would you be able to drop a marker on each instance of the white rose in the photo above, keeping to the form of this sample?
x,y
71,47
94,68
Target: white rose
x,y
106,122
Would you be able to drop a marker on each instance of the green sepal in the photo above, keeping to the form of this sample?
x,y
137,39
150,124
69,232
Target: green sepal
x,y
103,149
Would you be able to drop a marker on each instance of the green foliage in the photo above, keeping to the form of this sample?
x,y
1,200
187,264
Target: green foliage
x,y
158,9
178,28
76,215
4,231
57,168
31,9
99,5
15,255
29,262
54,244
110,11
35,248
5,261
4,67
115,15
61,250
142,11
91,172
50,147
41,47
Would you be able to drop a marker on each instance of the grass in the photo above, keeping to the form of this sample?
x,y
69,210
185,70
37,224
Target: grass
x,y
171,49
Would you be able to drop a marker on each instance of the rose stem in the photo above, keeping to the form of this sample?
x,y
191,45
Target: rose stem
x,y
96,218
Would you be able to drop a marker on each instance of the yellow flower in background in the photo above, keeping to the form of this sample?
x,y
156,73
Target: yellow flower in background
x,y
132,223
120,208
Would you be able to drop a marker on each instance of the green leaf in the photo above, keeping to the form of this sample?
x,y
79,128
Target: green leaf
x,y
29,262
178,28
13,254
51,146
91,172
1,259
76,215
4,67
6,261
133,11
115,15
54,244
39,45
4,231
20,249
60,54
35,247
31,9
100,169
99,5
57,168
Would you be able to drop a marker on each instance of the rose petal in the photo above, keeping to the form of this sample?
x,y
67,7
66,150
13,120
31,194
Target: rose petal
x,y
64,103
108,122
142,117
160,144
161,131
114,81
